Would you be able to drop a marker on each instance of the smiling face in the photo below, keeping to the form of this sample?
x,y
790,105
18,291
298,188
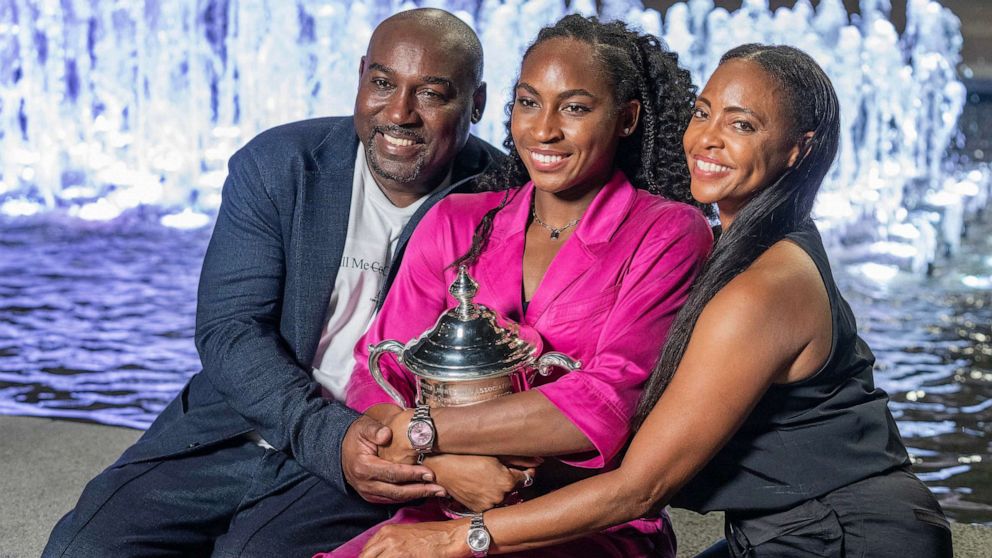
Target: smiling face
x,y
565,121
740,137
415,103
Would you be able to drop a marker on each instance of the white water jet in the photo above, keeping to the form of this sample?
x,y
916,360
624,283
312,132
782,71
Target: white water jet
x,y
110,105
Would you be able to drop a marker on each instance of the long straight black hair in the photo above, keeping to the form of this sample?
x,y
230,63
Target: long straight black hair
x,y
638,66
775,211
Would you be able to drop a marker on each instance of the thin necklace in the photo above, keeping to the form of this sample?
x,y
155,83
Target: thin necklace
x,y
555,231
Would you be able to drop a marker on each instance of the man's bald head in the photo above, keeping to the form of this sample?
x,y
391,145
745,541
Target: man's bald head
x,y
450,34
420,89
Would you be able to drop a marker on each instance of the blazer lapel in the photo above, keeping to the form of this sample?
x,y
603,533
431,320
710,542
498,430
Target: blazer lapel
x,y
501,268
579,254
321,228
408,232
471,161
569,265
321,224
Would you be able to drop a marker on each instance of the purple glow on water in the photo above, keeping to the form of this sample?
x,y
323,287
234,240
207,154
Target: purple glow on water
x,y
96,320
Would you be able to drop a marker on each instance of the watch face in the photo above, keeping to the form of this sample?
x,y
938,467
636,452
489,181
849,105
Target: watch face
x,y
478,539
421,434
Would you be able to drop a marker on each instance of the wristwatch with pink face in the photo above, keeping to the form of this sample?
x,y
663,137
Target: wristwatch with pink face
x,y
421,432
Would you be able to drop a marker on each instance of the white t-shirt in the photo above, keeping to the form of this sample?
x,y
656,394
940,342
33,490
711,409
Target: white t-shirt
x,y
374,228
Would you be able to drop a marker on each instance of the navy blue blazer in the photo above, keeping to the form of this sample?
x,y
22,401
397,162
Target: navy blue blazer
x,y
264,291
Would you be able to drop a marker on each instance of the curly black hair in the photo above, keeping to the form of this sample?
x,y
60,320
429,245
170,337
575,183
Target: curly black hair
x,y
639,67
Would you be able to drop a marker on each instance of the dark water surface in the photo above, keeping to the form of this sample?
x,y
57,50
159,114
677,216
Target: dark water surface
x,y
932,338
96,324
96,319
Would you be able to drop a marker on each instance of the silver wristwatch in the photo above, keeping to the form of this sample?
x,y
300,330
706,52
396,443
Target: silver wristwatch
x,y
478,538
421,432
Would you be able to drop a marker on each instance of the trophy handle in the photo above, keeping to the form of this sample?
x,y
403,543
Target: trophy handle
x,y
554,358
375,352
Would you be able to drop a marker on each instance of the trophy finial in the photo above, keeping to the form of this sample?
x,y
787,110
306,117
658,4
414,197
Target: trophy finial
x,y
464,289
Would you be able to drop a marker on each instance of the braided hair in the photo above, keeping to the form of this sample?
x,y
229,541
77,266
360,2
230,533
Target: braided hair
x,y
639,67
775,211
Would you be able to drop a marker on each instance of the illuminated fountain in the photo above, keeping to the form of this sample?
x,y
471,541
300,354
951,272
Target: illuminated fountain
x,y
106,106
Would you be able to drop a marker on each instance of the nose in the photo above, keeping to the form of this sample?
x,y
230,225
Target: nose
x,y
547,128
401,109
705,134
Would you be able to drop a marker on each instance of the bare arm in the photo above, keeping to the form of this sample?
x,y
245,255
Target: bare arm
x,y
498,422
462,476
519,424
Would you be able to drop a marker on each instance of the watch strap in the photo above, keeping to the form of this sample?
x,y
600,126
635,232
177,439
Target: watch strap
x,y
422,412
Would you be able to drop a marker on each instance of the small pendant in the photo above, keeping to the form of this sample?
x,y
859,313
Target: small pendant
x,y
554,234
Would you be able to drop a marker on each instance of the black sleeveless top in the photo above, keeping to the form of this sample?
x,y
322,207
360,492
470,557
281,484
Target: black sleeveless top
x,y
806,438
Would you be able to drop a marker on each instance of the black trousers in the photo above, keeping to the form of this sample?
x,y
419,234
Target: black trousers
x,y
234,499
889,515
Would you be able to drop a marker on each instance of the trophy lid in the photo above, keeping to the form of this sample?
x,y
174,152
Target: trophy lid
x,y
469,341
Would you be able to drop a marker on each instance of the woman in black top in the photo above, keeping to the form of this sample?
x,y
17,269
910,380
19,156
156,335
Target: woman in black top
x,y
762,404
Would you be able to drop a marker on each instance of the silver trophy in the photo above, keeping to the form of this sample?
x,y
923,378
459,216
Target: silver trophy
x,y
471,355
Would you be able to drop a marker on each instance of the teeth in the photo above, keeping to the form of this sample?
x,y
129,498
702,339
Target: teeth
x,y
399,142
710,167
546,159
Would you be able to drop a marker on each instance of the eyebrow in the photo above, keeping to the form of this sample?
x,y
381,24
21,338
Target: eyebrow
x,y
436,80
433,80
746,111
734,108
563,95
381,68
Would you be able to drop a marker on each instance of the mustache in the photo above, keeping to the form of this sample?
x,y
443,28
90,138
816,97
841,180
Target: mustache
x,y
396,131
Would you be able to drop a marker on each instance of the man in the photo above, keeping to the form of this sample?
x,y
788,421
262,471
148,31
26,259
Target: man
x,y
250,459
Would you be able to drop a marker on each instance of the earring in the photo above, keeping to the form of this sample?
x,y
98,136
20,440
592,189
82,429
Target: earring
x,y
626,131
476,115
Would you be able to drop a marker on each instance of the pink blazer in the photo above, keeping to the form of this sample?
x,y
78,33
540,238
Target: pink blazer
x,y
607,299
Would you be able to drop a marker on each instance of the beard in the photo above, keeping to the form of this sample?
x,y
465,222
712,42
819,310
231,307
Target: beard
x,y
402,175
